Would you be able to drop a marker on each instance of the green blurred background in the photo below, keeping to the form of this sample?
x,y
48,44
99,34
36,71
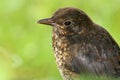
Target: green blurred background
x,y
25,46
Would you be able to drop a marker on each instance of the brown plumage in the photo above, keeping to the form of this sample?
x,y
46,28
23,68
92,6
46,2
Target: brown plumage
x,y
81,46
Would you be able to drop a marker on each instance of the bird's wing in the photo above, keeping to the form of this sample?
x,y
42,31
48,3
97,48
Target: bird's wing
x,y
98,55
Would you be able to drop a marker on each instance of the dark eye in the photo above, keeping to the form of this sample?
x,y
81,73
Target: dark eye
x,y
67,23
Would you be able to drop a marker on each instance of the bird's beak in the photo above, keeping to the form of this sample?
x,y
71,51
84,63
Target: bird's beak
x,y
47,21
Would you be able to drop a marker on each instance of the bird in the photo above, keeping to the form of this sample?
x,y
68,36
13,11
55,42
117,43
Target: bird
x,y
81,46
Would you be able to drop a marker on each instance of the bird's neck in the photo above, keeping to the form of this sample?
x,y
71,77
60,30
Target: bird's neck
x,y
60,42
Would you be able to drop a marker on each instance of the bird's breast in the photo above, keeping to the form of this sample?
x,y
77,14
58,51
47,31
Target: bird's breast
x,y
62,55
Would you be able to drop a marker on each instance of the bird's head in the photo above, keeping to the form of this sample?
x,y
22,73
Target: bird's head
x,y
68,21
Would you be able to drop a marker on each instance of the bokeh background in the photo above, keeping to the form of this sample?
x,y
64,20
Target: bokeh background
x,y
25,46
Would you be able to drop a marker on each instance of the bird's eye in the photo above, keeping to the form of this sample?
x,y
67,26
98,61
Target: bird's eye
x,y
67,23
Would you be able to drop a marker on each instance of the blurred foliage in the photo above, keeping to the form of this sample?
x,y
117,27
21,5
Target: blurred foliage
x,y
25,46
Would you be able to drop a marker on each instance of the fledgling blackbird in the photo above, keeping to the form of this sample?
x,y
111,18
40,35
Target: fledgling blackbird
x,y
81,46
